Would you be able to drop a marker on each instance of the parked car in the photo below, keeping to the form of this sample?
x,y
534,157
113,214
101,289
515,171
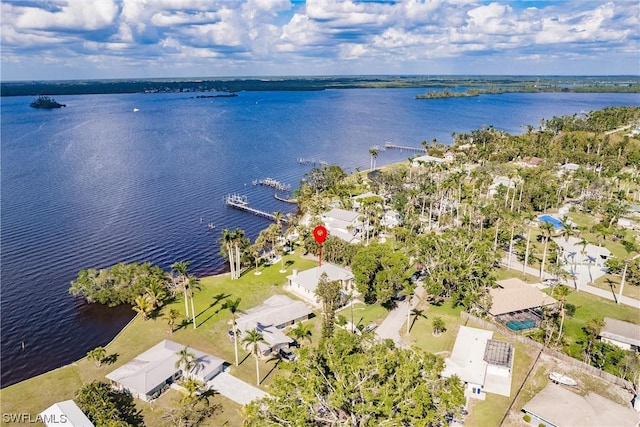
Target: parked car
x,y
294,343
287,354
370,327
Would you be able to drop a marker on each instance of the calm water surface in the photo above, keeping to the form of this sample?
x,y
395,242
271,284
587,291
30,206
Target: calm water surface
x,y
95,183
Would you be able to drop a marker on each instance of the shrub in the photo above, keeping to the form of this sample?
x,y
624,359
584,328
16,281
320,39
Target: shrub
x,y
542,425
527,418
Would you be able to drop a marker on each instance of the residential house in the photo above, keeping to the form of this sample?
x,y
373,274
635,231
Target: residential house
x,y
557,406
305,283
499,181
64,414
622,334
518,304
345,225
418,161
569,167
151,372
270,318
484,365
528,162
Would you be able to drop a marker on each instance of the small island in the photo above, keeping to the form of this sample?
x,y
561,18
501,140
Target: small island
x,y
47,102
222,95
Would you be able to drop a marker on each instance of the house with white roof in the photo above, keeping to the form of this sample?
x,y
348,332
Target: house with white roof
x,y
482,363
270,318
419,161
305,283
622,334
64,414
498,181
570,167
345,225
153,371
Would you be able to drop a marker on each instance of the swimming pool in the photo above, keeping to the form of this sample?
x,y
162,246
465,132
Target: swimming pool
x,y
553,220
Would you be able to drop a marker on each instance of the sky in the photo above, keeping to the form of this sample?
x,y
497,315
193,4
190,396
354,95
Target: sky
x,y
101,39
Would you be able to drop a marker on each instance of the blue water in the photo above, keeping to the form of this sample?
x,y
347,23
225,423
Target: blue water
x,y
94,183
553,220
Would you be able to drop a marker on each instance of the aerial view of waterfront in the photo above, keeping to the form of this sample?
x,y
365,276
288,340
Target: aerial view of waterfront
x,y
96,183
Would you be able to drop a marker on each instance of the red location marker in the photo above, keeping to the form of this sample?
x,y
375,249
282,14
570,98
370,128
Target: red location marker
x,y
320,234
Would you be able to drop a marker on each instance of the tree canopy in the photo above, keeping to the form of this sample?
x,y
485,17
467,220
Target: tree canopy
x,y
353,381
107,407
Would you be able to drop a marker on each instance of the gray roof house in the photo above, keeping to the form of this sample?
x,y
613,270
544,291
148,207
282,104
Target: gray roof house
x,y
151,372
64,414
483,364
622,334
343,224
556,406
305,283
273,315
516,296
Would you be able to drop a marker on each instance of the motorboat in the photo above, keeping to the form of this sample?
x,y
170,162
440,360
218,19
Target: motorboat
x,y
562,379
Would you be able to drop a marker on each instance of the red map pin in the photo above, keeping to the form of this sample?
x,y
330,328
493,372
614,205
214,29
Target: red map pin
x,y
320,234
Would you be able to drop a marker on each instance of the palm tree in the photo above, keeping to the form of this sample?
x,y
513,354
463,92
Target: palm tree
x,y
566,231
181,268
438,326
238,240
171,317
191,386
143,306
193,285
232,306
374,155
251,340
409,291
97,355
301,331
547,228
186,361
155,294
561,293
226,242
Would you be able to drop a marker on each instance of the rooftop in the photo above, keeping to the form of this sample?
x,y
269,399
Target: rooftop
x,y
621,331
467,358
153,367
498,353
65,414
513,295
562,407
274,311
308,279
341,215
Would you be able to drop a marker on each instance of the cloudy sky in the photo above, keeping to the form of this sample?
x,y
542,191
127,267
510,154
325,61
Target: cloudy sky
x,y
76,39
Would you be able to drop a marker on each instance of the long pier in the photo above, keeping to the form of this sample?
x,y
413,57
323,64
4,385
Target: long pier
x,y
274,183
388,145
240,202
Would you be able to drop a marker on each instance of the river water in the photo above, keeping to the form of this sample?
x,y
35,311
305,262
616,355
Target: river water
x,y
96,183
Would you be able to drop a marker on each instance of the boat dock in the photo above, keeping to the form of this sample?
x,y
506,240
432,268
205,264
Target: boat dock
x,y
240,202
311,161
388,145
274,183
282,199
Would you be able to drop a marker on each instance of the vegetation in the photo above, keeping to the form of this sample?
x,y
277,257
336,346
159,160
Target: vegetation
x,y
106,407
45,102
353,381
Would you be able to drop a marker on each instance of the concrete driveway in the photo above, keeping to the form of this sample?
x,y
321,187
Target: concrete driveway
x,y
235,389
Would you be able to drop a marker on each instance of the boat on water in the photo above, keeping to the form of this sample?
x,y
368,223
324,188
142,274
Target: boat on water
x,y
562,379
135,110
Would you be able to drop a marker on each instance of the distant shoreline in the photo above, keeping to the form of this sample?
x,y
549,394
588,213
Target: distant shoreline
x,y
227,86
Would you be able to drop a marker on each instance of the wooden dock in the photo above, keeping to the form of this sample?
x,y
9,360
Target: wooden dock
x,y
388,145
240,202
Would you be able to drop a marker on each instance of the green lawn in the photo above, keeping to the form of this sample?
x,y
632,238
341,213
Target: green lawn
x,y
421,335
503,273
38,393
629,290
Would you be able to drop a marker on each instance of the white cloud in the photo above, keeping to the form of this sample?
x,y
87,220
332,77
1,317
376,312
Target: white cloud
x,y
73,15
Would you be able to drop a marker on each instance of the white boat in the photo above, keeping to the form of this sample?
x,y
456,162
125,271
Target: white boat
x,y
562,379
135,110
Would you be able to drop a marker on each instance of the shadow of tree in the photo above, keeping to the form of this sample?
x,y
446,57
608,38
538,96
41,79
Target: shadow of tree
x,y
110,359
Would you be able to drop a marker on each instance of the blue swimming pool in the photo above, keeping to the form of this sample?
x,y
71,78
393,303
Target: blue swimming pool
x,y
553,220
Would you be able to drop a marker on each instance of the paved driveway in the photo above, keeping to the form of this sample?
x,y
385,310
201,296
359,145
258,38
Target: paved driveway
x,y
235,389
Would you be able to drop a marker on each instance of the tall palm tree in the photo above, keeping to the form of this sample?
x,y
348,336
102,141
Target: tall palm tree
x,y
238,241
373,152
547,229
251,340
181,268
409,291
232,306
301,331
193,285
226,241
186,361
561,293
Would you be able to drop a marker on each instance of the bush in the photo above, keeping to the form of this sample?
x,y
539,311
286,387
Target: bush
x,y
542,425
527,418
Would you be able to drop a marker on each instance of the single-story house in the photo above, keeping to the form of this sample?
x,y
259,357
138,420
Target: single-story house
x,y
357,200
499,181
628,223
391,219
529,162
151,372
557,406
273,315
621,334
343,224
517,304
64,414
482,363
570,167
305,283
418,161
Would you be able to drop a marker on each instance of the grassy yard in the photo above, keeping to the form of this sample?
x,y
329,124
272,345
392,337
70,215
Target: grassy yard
x,y
503,273
421,335
629,290
38,393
